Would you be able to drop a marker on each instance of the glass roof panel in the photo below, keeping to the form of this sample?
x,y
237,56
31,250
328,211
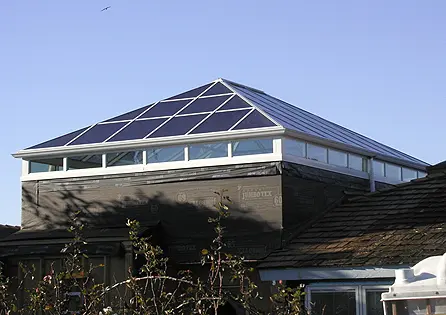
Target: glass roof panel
x,y
130,115
165,109
192,93
217,89
234,103
98,133
220,121
137,129
178,126
207,104
59,141
254,120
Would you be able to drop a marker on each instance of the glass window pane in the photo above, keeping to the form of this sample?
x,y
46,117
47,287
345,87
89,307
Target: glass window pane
x,y
333,303
207,104
248,147
166,154
316,153
378,168
373,302
46,165
393,171
137,129
294,147
220,121
85,161
254,120
98,133
337,158
409,174
178,126
421,174
217,89
165,109
208,151
124,158
357,162
235,103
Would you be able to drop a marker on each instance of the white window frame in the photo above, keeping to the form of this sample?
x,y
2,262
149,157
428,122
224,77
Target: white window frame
x,y
360,290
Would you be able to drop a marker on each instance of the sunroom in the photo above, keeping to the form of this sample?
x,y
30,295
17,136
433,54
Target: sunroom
x,y
219,123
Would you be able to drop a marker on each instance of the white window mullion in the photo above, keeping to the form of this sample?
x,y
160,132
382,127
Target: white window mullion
x,y
65,164
278,146
26,167
230,149
186,153
104,160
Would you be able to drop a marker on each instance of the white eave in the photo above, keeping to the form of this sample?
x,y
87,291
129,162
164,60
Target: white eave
x,y
144,143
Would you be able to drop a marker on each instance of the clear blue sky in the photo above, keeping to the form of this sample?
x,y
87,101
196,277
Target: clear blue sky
x,y
376,67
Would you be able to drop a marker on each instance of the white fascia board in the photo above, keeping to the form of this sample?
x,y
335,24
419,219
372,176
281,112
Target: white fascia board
x,y
366,272
144,143
352,149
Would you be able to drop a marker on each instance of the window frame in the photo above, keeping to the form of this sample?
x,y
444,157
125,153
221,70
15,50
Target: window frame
x,y
360,290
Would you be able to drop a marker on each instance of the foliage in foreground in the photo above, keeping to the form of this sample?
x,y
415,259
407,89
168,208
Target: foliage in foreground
x,y
73,288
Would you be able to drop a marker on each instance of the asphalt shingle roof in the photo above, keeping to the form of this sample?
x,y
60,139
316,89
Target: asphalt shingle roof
x,y
401,225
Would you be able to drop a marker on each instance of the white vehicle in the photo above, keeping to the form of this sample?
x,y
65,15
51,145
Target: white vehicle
x,y
418,290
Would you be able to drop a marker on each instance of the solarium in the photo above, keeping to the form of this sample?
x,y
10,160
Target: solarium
x,y
220,123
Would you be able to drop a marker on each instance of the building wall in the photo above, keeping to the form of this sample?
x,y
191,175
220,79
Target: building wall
x,y
308,191
182,202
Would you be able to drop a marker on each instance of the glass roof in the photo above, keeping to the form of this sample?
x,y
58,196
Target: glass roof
x,y
215,107
209,108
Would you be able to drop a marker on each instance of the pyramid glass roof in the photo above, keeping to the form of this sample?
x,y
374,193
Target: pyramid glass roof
x,y
220,106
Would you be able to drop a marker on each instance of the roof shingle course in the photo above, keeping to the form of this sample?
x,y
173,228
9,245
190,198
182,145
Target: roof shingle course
x,y
399,225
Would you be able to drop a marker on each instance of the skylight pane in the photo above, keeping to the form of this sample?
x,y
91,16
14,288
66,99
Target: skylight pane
x,y
165,154
220,121
178,126
98,133
252,146
254,120
165,109
235,103
207,104
130,115
59,141
192,93
208,150
137,129
217,89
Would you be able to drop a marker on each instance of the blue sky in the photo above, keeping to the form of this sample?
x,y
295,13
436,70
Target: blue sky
x,y
377,67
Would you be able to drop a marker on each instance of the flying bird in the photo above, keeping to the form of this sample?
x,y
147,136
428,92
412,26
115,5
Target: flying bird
x,y
106,8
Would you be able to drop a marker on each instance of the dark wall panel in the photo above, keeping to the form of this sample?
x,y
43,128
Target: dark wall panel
x,y
182,207
308,191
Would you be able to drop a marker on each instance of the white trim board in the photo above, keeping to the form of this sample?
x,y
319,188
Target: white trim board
x,y
366,272
144,143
